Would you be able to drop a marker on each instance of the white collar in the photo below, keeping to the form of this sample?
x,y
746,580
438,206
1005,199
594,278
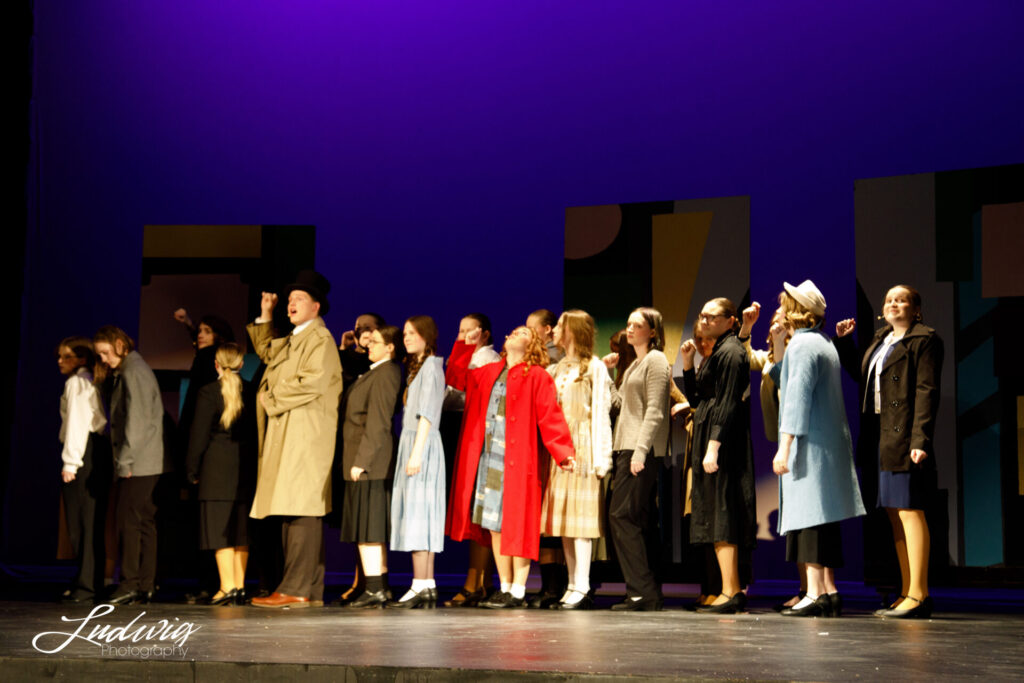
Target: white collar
x,y
300,328
380,362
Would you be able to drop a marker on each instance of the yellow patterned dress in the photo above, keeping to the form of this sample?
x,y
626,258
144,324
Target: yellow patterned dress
x,y
573,501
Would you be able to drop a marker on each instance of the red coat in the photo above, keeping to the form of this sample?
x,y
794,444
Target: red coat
x,y
531,406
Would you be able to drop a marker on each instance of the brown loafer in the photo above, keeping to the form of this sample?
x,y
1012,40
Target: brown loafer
x,y
279,600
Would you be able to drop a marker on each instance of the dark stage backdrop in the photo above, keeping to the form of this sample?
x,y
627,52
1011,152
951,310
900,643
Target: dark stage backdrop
x,y
436,146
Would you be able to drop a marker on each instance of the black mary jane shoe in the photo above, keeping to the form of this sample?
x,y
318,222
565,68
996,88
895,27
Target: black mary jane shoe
x,y
369,600
502,600
821,607
737,603
226,599
882,610
425,599
923,610
782,605
584,603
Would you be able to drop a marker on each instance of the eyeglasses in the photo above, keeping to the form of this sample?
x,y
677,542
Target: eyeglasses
x,y
708,317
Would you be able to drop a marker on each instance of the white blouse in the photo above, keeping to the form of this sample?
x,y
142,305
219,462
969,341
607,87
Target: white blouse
x,y
81,413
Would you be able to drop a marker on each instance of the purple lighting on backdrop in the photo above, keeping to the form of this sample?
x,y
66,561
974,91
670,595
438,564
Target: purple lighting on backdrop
x,y
435,146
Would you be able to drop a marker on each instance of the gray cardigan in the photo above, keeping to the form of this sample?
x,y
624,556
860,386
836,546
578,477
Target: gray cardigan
x,y
643,404
137,419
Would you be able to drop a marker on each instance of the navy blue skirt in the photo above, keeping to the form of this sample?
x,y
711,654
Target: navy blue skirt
x,y
911,490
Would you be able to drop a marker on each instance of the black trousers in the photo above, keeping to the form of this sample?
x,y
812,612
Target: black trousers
x,y
136,525
85,509
822,544
628,514
265,551
303,541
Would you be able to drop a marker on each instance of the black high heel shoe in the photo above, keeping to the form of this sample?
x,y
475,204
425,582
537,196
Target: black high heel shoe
x,y
923,610
425,599
229,598
737,603
882,610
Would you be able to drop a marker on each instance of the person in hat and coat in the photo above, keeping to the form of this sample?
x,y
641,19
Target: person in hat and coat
x,y
817,479
297,418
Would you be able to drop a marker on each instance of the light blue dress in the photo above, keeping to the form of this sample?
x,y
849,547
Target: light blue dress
x,y
821,485
418,502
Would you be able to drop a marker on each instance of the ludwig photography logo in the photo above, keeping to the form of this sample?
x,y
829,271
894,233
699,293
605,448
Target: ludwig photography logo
x,y
136,639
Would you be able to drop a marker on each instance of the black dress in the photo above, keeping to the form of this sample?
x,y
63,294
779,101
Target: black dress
x,y
722,503
224,463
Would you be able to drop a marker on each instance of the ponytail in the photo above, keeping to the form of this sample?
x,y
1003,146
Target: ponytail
x,y
229,358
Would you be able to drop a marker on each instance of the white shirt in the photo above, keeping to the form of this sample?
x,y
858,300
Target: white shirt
x,y
81,413
382,361
877,363
300,328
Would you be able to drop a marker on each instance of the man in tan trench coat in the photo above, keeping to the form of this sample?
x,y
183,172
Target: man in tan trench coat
x,y
297,414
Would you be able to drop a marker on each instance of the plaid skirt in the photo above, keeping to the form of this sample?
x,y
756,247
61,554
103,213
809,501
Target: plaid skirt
x,y
573,501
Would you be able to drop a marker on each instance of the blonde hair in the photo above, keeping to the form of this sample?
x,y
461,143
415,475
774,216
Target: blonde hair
x,y
797,315
230,358
581,325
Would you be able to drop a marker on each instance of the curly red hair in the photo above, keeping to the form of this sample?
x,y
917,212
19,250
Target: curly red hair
x,y
536,353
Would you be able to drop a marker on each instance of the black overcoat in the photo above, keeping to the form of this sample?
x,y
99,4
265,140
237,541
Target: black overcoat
x,y
223,460
909,387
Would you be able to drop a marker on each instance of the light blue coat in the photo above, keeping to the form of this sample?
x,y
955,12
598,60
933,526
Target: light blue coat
x,y
821,485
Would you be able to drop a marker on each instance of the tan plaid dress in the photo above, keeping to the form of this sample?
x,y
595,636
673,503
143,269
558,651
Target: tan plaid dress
x,y
573,501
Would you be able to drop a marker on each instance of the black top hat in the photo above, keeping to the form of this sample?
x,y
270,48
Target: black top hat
x,y
314,284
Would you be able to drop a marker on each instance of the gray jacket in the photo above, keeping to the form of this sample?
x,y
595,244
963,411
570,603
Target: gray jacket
x,y
136,419
642,406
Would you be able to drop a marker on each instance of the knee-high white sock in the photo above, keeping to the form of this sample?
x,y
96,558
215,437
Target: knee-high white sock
x,y
582,550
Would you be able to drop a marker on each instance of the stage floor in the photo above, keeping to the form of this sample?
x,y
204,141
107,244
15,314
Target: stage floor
x,y
248,643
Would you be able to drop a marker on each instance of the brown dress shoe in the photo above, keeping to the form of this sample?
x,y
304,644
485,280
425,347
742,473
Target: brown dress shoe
x,y
278,600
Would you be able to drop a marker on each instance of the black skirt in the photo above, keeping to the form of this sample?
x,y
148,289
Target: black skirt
x,y
366,517
223,524
822,544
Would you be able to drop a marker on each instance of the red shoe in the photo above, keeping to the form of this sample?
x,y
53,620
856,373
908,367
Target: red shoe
x,y
279,600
